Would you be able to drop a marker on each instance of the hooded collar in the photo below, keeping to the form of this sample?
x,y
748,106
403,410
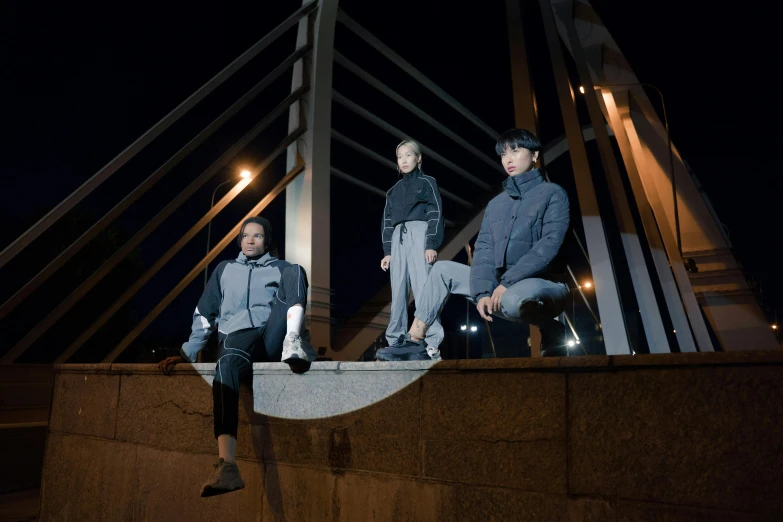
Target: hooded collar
x,y
515,186
261,261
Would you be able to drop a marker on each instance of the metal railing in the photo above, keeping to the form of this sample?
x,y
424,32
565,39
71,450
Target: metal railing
x,y
136,240
362,329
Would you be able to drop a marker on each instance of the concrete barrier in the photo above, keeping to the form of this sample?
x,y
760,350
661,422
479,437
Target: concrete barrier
x,y
653,438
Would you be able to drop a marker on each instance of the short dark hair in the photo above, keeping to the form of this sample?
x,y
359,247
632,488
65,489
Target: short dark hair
x,y
269,241
517,139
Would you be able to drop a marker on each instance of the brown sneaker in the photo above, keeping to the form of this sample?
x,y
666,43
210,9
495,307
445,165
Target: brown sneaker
x,y
224,479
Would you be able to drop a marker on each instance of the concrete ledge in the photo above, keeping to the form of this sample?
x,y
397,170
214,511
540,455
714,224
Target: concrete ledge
x,y
655,437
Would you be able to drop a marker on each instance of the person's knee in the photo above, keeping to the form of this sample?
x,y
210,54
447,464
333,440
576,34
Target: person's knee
x,y
438,268
229,367
521,301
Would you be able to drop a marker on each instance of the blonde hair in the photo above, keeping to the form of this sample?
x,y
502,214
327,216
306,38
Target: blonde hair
x,y
414,146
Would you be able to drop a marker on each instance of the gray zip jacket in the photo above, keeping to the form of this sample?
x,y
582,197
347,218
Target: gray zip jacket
x,y
238,296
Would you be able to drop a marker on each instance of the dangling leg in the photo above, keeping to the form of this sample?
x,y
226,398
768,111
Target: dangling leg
x,y
234,361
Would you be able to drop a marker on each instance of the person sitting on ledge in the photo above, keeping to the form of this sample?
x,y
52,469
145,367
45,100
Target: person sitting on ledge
x,y
256,303
518,264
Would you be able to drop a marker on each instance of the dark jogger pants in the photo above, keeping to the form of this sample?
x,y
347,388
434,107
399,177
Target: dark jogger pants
x,y
238,350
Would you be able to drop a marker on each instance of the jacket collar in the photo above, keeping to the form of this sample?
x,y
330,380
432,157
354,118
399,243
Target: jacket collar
x,y
517,185
416,173
261,261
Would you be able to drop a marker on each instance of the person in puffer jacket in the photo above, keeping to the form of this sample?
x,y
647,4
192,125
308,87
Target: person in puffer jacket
x,y
256,303
518,262
411,232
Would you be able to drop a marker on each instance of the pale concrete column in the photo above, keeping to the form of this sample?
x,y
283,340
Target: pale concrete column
x,y
307,234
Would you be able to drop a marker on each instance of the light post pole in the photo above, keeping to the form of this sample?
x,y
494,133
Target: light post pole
x,y
244,175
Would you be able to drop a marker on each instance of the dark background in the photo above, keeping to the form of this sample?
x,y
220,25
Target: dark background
x,y
82,82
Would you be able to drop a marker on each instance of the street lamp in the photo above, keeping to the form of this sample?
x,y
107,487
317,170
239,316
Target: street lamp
x,y
245,174
671,152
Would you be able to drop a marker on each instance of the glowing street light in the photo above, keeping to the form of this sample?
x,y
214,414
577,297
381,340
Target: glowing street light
x,y
588,284
571,343
774,327
245,174
581,89
474,329
463,327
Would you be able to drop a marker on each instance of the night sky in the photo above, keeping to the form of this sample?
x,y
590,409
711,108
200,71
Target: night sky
x,y
81,82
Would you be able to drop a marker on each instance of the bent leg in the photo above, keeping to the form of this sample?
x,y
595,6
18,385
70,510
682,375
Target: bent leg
x,y
234,361
419,270
537,302
291,292
446,278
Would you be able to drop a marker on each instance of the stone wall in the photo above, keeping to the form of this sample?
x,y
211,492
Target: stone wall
x,y
647,438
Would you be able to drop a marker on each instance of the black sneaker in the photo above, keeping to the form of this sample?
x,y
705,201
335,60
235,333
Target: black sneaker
x,y
409,350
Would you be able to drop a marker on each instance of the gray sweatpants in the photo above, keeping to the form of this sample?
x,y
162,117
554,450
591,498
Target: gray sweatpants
x,y
409,269
533,301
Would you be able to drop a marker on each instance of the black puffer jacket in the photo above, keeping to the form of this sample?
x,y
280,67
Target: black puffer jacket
x,y
521,236
414,198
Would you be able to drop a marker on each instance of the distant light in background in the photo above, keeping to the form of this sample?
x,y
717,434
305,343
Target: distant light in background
x,y
588,284
473,328
463,327
581,89
245,174
774,327
571,343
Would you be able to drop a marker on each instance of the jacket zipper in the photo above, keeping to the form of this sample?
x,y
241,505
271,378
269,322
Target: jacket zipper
x,y
249,275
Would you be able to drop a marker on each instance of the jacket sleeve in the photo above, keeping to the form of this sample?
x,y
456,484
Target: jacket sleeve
x,y
205,318
555,227
483,279
386,225
434,215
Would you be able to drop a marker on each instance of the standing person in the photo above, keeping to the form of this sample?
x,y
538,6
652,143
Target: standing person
x,y
411,232
256,303
518,269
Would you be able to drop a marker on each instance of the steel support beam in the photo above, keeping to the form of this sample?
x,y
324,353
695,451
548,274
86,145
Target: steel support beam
x,y
398,60
525,110
364,75
612,317
167,121
640,277
389,163
394,131
660,260
147,184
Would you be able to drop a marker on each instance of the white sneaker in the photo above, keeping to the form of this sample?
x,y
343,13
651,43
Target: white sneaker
x,y
298,347
434,353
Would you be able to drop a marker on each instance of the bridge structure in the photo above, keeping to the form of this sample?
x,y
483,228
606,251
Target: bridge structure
x,y
664,277
658,244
